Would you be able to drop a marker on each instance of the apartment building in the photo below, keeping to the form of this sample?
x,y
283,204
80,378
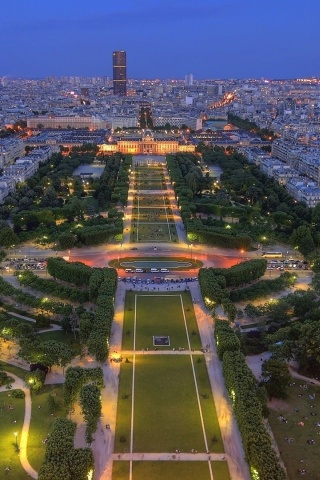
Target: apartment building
x,y
10,149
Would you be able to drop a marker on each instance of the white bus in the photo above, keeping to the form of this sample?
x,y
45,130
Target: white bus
x,y
272,254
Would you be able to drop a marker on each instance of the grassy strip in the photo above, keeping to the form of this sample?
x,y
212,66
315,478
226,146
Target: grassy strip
x,y
195,264
122,437
171,470
208,408
120,470
20,372
220,471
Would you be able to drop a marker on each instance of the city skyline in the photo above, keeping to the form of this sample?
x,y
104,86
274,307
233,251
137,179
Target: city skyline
x,y
211,39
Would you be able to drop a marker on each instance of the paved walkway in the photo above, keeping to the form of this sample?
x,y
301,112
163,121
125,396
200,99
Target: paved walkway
x,y
254,362
185,457
19,384
238,466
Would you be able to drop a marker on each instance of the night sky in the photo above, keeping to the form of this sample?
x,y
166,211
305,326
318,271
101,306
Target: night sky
x,y
163,38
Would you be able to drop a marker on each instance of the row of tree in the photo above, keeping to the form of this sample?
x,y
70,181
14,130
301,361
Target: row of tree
x,y
104,282
29,279
42,304
95,329
263,288
215,283
249,406
62,460
85,384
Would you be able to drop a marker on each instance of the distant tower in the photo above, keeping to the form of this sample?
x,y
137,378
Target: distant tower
x,y
119,73
188,80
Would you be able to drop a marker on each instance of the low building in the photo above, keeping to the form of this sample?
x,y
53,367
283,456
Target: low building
x,y
76,121
147,143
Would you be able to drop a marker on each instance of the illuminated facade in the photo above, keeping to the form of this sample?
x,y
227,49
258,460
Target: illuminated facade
x,y
147,144
119,73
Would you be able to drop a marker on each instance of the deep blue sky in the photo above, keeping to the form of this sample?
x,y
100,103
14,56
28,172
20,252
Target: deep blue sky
x,y
163,38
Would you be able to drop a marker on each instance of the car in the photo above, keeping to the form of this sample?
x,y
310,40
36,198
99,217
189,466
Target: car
x,y
134,248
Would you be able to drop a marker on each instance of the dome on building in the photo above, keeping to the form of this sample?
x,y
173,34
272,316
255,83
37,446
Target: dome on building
x,y
148,134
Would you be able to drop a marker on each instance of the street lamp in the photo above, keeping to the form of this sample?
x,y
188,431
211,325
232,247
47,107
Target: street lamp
x,y
16,435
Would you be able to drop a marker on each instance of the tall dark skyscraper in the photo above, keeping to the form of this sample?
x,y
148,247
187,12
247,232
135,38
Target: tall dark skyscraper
x,y
119,73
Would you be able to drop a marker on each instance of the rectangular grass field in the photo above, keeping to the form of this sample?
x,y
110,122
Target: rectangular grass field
x,y
153,232
159,314
166,412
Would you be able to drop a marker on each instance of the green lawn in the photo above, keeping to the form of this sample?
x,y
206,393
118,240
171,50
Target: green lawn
x,y
124,407
150,200
220,470
146,215
41,422
195,264
166,412
171,471
159,314
149,178
298,449
9,456
153,232
40,426
20,372
120,470
208,408
61,336
144,184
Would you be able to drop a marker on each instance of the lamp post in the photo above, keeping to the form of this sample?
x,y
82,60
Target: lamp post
x,y
16,436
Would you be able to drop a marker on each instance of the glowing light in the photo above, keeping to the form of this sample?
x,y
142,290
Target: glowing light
x,y
254,474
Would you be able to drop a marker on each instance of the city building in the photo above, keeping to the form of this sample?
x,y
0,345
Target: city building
x,y
188,80
147,143
76,121
119,73
10,149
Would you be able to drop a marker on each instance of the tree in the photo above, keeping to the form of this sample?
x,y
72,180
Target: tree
x,y
8,237
308,347
302,239
35,379
276,377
